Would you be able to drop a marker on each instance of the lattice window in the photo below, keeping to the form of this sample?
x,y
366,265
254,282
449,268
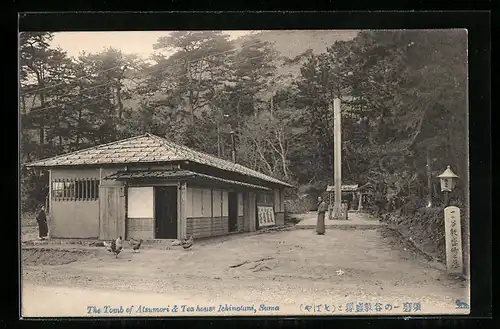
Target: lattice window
x,y
82,189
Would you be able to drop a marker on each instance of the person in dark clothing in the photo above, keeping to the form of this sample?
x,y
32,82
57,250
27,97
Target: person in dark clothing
x,y
41,219
320,224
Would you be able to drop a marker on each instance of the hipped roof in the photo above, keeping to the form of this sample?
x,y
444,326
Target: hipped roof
x,y
147,148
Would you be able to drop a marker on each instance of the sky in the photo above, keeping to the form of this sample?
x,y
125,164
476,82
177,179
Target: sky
x,y
138,42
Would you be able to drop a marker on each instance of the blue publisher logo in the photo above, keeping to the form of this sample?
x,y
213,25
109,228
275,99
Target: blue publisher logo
x,y
461,304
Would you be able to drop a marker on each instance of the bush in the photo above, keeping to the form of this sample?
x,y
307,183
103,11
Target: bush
x,y
298,205
34,190
424,225
28,219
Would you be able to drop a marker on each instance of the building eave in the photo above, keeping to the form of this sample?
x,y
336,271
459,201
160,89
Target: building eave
x,y
177,175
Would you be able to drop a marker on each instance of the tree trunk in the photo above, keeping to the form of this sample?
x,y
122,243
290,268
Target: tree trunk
x,y
429,177
42,124
119,101
218,138
78,129
191,93
239,115
272,105
41,85
285,169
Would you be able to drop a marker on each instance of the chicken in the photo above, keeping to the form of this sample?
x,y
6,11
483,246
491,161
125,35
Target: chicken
x,y
187,243
114,246
135,244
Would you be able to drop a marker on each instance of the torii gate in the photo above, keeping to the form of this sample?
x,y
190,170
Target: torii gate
x,y
331,193
357,193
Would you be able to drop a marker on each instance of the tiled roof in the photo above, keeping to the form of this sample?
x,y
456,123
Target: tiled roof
x,y
147,148
344,188
175,174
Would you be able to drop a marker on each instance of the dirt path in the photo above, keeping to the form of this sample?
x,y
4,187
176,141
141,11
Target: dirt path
x,y
288,269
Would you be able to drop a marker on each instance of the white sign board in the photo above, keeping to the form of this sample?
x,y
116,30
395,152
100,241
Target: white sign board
x,y
140,202
453,231
266,216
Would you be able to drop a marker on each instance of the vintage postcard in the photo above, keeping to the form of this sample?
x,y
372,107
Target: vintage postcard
x,y
217,173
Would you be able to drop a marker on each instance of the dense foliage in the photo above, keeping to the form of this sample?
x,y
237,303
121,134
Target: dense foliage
x,y
404,106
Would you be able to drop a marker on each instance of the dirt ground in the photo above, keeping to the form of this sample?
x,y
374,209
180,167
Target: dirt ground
x,y
288,269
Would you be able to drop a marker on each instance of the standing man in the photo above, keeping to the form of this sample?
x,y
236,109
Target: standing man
x,y
41,219
322,208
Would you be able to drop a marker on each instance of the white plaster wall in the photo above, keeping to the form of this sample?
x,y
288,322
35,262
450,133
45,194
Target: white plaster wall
x,y
140,203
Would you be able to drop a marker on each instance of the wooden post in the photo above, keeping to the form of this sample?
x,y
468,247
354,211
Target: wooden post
x,y
233,147
337,159
222,209
212,221
330,206
360,201
246,221
182,222
121,224
446,198
49,212
252,211
453,238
